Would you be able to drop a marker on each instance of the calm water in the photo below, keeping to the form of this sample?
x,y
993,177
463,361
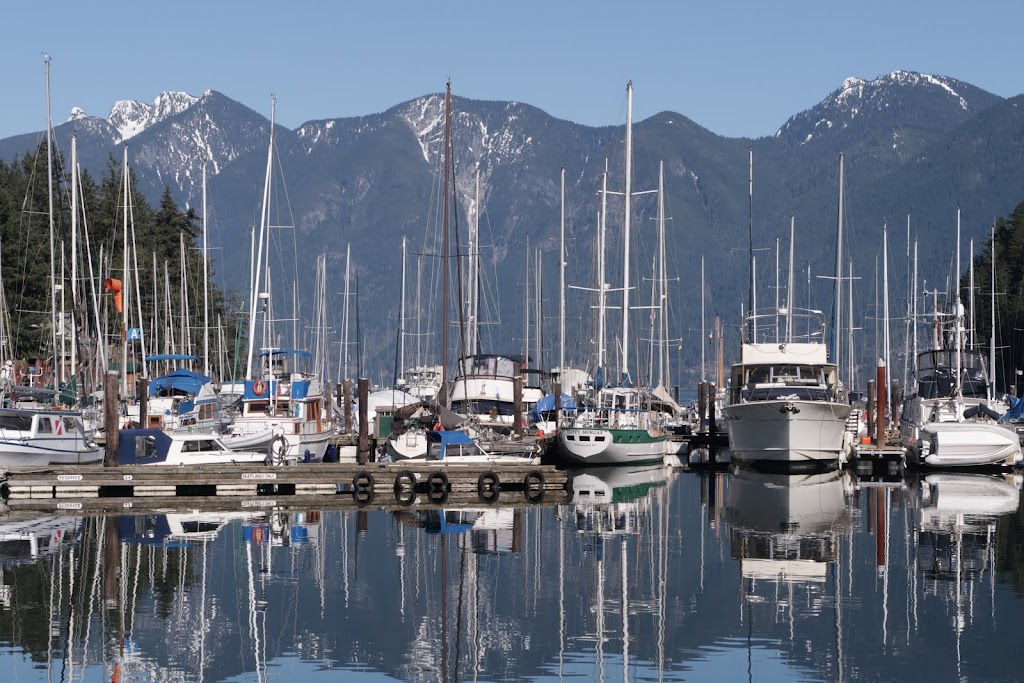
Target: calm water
x,y
672,576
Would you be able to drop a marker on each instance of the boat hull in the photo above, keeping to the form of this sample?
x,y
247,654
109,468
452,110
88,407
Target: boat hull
x,y
787,431
597,446
37,453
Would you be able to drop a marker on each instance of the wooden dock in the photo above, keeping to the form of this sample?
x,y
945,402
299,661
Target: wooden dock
x,y
242,486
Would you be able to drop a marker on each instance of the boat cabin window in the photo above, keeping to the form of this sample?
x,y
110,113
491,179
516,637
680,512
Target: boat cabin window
x,y
70,425
18,422
781,374
257,407
786,394
145,447
199,445
44,425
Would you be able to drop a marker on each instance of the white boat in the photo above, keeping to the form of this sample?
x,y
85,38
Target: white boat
x,y
456,446
484,388
421,381
785,405
160,448
27,536
946,423
45,437
621,428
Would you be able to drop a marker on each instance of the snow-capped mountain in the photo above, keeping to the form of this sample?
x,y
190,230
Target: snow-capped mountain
x,y
131,117
896,111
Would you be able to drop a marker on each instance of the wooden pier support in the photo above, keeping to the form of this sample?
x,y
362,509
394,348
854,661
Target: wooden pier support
x,y
880,416
110,419
363,452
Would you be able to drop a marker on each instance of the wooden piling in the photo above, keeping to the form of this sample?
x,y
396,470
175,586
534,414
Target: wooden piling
x,y
363,453
871,408
702,406
517,406
142,393
894,403
712,425
880,384
110,419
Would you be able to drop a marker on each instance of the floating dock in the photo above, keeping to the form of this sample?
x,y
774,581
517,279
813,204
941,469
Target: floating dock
x,y
241,486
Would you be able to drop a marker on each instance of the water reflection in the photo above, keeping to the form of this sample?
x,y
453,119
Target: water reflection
x,y
648,573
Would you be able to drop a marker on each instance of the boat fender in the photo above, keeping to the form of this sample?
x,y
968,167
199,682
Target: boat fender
x,y
974,411
488,487
437,487
405,487
533,486
127,424
438,427
362,488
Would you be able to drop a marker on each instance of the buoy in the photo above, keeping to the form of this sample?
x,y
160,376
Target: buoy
x,y
865,440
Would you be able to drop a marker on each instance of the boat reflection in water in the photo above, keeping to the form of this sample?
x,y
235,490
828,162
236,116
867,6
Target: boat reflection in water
x,y
784,527
957,521
610,499
27,536
497,530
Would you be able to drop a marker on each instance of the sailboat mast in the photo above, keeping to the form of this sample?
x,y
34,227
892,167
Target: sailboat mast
x,y
602,225
992,328
254,295
663,371
956,311
836,338
444,256
401,317
127,279
58,373
344,314
472,277
703,326
885,308
970,295
626,229
206,289
849,329
750,245
561,281
913,311
74,252
789,282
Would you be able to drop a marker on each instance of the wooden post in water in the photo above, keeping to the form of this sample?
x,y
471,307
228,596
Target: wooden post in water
x,y
142,392
871,409
328,396
880,384
347,398
110,418
363,453
517,406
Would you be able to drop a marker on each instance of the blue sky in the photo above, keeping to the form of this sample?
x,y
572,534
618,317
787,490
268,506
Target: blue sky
x,y
738,68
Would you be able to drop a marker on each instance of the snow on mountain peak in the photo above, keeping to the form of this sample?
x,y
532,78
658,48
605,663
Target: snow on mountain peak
x,y
131,117
77,113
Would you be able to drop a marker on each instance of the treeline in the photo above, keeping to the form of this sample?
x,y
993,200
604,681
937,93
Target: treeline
x,y
165,253
1009,297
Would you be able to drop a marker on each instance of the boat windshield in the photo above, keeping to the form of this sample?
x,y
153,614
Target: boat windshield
x,y
16,422
786,394
936,375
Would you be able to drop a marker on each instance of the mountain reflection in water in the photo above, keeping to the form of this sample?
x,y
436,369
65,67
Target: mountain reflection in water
x,y
649,573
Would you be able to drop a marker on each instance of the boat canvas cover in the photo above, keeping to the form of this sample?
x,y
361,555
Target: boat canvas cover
x,y
547,403
179,381
142,446
798,353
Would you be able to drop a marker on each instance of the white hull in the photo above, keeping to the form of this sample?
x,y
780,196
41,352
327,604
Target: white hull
x,y
786,431
596,446
37,452
413,446
970,444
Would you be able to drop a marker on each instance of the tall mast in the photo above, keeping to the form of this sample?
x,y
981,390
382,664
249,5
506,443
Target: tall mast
x,y
852,376
956,312
913,311
74,253
777,271
538,274
703,326
206,289
602,225
836,340
561,281
750,245
992,328
970,294
401,317
345,313
444,256
663,367
472,277
57,365
127,279
626,229
527,303
885,307
789,282
255,295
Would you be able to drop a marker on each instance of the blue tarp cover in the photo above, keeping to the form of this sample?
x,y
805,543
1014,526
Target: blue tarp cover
x,y
170,356
547,404
184,381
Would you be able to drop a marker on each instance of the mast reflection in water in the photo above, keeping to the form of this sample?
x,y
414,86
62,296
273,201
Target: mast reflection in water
x,y
649,573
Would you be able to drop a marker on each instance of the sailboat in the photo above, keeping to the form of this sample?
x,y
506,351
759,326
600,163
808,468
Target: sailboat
x,y
785,400
278,394
947,420
619,425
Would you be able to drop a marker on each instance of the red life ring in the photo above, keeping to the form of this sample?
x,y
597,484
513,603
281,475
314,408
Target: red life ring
x,y
257,535
259,387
